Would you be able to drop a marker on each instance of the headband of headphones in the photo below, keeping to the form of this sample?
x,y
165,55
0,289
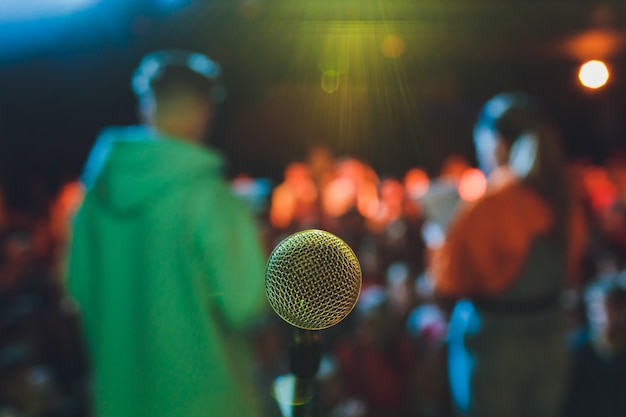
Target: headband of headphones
x,y
152,65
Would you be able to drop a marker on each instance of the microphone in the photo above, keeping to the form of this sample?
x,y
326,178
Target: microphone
x,y
312,281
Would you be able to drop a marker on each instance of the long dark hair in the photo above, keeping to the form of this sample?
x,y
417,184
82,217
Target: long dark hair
x,y
535,151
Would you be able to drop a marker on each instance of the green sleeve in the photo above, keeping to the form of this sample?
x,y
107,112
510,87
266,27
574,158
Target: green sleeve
x,y
78,276
232,258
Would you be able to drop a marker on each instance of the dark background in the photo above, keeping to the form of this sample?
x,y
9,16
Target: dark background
x,y
64,77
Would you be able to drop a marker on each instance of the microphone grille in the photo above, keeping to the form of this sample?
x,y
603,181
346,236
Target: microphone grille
x,y
313,279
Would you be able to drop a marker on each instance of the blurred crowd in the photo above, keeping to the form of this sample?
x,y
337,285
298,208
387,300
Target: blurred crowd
x,y
388,358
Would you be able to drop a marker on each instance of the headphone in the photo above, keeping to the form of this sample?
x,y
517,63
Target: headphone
x,y
153,63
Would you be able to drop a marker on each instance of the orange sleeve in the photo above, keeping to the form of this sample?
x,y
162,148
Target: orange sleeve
x,y
488,242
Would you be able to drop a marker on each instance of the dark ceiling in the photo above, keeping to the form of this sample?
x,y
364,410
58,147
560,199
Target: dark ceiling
x,y
61,80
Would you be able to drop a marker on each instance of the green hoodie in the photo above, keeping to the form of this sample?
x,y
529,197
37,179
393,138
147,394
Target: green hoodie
x,y
166,266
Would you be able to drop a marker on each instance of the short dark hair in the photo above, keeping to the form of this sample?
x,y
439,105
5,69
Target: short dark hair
x,y
175,79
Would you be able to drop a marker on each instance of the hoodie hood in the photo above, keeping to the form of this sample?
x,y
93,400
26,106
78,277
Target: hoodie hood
x,y
130,167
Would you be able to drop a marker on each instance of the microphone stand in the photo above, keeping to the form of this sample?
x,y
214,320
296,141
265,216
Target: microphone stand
x,y
294,392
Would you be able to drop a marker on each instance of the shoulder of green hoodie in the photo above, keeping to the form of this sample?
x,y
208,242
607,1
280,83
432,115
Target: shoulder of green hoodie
x,y
131,167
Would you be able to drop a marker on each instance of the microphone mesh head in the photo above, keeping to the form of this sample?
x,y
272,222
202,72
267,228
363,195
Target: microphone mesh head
x,y
313,279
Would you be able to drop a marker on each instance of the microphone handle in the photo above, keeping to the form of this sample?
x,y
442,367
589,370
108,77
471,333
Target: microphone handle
x,y
295,391
305,353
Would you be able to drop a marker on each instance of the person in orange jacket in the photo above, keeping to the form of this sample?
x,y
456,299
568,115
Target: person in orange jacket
x,y
504,262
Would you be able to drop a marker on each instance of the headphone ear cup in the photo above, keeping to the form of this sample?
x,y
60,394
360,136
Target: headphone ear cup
x,y
523,154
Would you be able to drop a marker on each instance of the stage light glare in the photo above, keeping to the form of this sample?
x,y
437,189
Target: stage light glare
x,y
593,74
33,9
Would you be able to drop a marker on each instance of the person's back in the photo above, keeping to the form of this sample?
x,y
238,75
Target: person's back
x,y
167,268
507,354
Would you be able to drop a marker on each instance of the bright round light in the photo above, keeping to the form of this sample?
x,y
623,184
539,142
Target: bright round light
x,y
593,74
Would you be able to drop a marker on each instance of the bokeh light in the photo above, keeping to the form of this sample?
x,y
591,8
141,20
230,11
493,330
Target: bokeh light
x,y
600,189
392,46
294,197
330,81
472,185
283,206
416,183
338,197
593,74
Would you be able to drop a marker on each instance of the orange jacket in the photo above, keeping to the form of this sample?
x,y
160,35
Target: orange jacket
x,y
488,242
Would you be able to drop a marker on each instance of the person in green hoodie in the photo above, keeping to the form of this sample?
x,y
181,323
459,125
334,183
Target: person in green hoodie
x,y
165,262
